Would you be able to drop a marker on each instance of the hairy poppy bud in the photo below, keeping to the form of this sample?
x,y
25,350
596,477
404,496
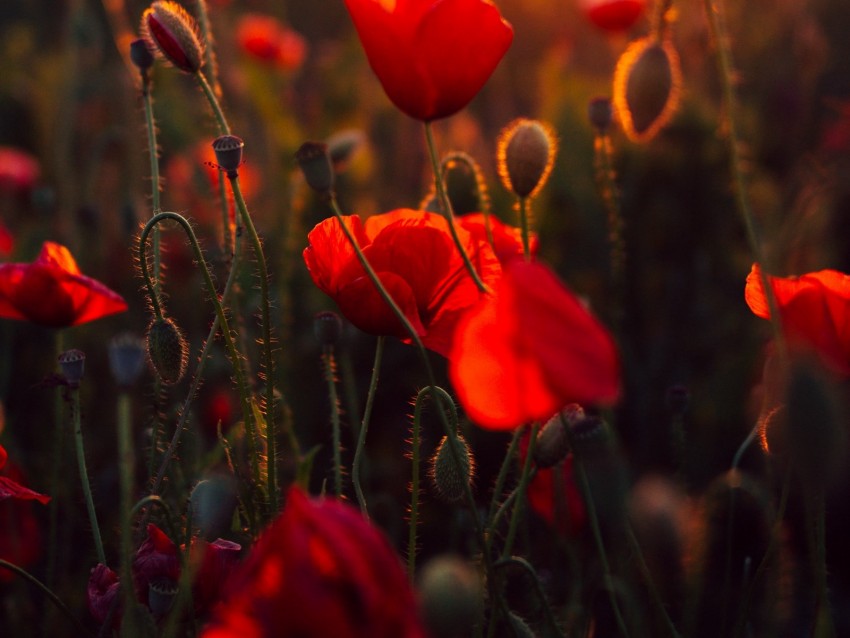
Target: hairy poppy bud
x,y
72,363
525,155
646,87
600,112
169,27
553,441
228,153
141,54
315,163
465,185
450,478
168,351
126,358
213,502
450,592
327,326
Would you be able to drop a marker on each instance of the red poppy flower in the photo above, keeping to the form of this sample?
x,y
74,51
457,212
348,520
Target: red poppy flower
x,y
18,170
814,309
431,56
613,15
267,40
10,488
320,569
52,292
528,350
507,240
103,587
414,256
156,559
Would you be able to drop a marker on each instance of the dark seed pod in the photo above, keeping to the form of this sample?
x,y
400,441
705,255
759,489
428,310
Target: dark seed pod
x,y
72,363
647,84
448,477
315,162
228,153
168,351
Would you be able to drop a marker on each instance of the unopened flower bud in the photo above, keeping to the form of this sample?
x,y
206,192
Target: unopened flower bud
x,y
141,54
327,326
168,351
465,184
451,592
450,478
72,363
646,87
526,153
126,358
228,153
553,441
600,112
213,502
315,163
174,33
161,595
589,435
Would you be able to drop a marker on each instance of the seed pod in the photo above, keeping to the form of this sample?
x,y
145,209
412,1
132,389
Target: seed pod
x,y
647,84
448,477
72,363
126,358
315,162
228,153
451,593
174,33
168,351
525,155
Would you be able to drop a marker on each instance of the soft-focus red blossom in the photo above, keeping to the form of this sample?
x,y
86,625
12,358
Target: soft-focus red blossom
x,y
18,170
554,495
267,40
7,243
414,256
20,533
431,56
156,559
613,15
814,310
529,349
507,240
52,292
319,570
215,563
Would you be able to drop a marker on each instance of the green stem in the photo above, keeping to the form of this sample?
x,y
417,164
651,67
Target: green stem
x,y
207,39
268,363
330,379
538,588
47,592
522,205
506,505
502,476
227,239
447,207
150,126
414,481
84,475
150,500
824,626
57,456
209,93
126,464
364,427
520,498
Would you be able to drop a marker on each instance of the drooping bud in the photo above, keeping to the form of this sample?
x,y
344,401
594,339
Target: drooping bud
x,y
228,153
553,441
168,351
141,54
465,184
600,112
213,502
72,363
451,593
174,33
449,477
327,326
126,358
315,163
525,154
647,84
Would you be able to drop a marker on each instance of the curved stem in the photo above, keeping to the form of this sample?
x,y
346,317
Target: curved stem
x,y
209,93
447,207
84,475
538,588
47,592
153,499
364,427
268,360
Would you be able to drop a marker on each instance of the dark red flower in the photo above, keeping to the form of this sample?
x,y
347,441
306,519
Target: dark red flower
x,y
10,488
431,56
414,256
613,15
507,240
814,310
528,350
52,292
20,533
215,563
267,40
157,559
320,569
18,170
102,589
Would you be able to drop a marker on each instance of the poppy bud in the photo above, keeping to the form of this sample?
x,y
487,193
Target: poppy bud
x,y
646,87
450,593
72,363
126,358
553,443
526,153
600,112
161,595
450,478
169,27
213,502
228,153
465,185
141,54
315,163
589,435
168,351
327,326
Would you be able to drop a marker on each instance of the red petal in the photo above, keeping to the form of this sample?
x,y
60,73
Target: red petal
x,y
363,306
329,252
3,456
12,489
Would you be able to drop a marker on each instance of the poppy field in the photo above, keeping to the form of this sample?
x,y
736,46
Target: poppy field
x,y
424,318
